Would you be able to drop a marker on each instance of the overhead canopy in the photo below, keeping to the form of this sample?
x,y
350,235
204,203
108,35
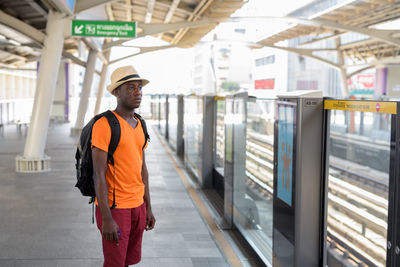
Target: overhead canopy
x,y
360,17
18,46
23,23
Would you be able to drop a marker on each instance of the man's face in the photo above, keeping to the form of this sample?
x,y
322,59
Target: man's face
x,y
129,94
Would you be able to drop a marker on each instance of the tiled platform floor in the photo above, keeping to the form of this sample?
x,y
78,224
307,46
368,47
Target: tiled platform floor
x,y
44,221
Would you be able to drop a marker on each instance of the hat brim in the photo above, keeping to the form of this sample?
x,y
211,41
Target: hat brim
x,y
113,86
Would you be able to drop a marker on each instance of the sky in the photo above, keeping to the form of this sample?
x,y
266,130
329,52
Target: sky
x,y
170,70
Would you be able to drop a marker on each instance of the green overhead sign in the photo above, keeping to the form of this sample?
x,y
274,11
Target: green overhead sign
x,y
95,28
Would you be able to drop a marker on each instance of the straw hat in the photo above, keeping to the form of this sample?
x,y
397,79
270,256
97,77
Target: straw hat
x,y
122,75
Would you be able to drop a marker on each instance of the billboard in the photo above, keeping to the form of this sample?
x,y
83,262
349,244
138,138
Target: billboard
x,y
264,84
362,84
285,153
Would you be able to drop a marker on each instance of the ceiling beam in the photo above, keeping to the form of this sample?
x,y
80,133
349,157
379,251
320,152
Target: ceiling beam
x,y
77,60
171,11
304,52
6,67
382,35
383,61
37,7
22,27
12,55
82,5
109,12
74,59
360,70
142,51
155,28
128,10
300,51
200,8
92,45
315,40
36,35
149,12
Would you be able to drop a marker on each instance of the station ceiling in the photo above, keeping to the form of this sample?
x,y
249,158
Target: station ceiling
x,y
17,49
360,16
352,16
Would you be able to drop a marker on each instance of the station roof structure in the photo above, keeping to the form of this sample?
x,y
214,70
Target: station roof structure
x,y
23,22
362,17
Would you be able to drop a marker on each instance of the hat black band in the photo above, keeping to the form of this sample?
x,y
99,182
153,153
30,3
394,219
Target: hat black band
x,y
128,77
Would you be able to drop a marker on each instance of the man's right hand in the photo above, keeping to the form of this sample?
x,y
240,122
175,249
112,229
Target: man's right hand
x,y
110,230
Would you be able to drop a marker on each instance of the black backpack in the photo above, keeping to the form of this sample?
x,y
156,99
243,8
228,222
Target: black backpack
x,y
83,155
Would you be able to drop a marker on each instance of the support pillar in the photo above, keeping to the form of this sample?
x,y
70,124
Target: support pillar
x,y
2,86
84,100
100,91
10,91
381,82
343,72
34,159
25,88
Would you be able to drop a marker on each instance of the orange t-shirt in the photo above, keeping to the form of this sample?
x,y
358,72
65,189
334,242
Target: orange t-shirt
x,y
129,187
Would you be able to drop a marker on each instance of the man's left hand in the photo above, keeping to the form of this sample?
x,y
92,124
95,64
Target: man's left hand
x,y
150,220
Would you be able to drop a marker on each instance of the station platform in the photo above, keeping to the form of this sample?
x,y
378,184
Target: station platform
x,y
46,222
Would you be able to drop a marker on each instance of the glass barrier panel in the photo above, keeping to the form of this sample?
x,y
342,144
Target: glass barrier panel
x,y
358,187
163,114
154,107
220,137
193,121
257,192
172,120
145,107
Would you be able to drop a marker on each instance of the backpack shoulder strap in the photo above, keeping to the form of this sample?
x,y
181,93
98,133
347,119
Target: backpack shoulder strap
x,y
115,134
144,127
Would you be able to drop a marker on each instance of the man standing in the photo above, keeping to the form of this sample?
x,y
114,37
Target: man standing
x,y
126,183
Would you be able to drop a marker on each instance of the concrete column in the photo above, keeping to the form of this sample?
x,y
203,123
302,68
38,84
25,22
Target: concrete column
x,y
26,87
23,87
32,87
381,81
19,87
84,100
100,91
34,159
342,71
10,89
2,86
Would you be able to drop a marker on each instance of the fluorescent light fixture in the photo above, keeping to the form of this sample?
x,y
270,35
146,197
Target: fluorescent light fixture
x,y
339,5
14,42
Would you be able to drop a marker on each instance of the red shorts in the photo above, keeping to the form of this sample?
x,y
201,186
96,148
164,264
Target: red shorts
x,y
131,223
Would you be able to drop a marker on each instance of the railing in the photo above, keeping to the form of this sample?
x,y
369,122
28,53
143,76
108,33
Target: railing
x,y
14,111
